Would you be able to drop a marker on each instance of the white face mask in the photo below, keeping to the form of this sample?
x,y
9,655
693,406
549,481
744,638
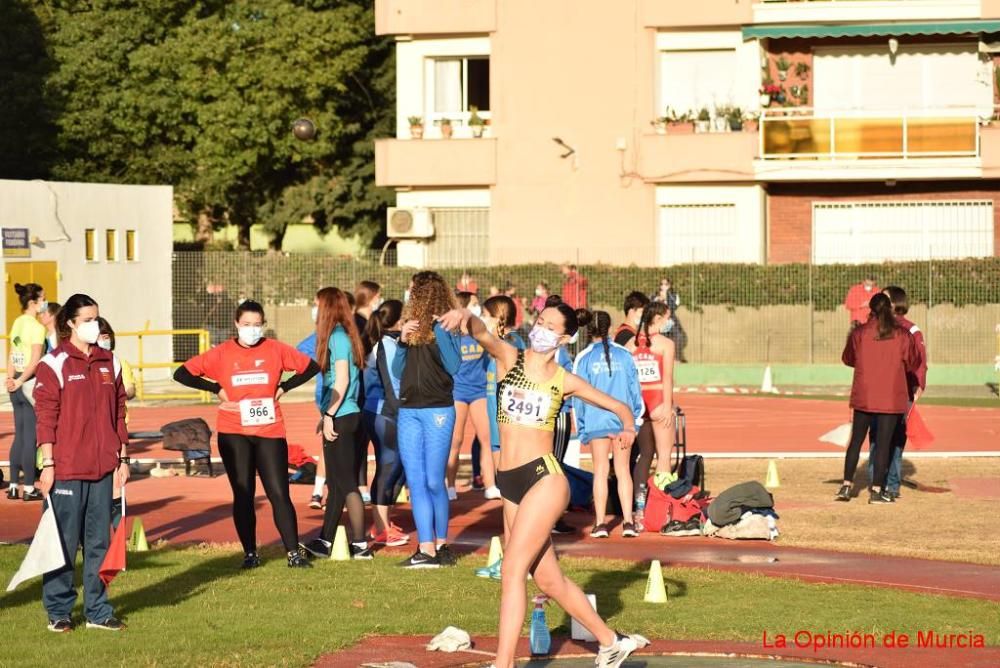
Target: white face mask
x,y
88,331
476,310
539,292
637,319
868,288
314,313
42,306
543,340
376,304
667,326
251,334
105,344
53,340
406,296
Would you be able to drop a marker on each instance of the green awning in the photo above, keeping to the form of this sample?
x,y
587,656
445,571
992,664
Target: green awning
x,y
871,29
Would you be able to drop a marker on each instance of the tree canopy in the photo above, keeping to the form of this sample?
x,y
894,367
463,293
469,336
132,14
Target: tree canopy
x,y
202,94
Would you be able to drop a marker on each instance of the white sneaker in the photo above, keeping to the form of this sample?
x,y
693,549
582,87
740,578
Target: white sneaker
x,y
452,494
621,649
492,493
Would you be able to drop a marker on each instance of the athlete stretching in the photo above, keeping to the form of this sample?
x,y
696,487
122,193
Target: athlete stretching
x,y
534,490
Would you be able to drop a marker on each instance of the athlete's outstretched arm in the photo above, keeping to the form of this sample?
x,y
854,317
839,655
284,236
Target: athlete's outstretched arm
x,y
578,388
503,352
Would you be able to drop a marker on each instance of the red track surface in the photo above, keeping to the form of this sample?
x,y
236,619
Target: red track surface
x,y
384,649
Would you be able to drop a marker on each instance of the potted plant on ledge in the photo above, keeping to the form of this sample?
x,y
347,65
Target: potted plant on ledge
x,y
734,116
769,92
704,121
751,121
678,123
446,129
416,127
782,66
476,122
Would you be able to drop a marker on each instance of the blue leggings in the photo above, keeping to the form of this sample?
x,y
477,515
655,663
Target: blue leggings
x,y
388,467
424,436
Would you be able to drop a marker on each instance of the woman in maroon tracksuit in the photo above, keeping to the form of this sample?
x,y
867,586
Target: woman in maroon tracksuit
x,y
80,403
882,353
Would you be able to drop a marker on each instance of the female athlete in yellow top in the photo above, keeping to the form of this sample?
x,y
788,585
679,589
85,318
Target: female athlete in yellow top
x,y
530,392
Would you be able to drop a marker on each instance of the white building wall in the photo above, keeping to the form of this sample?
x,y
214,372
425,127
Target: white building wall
x,y
130,294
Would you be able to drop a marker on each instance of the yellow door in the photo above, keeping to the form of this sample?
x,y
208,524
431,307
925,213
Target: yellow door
x,y
46,274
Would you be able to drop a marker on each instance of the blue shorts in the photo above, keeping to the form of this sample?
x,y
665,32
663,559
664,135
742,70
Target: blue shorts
x,y
468,395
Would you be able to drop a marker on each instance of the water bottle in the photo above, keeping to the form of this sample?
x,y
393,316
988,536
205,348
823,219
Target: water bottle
x,y
640,507
541,640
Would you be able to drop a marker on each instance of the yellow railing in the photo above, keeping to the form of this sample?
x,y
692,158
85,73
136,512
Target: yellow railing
x,y
204,343
803,133
141,365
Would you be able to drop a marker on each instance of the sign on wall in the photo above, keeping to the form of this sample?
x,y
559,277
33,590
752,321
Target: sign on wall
x,y
16,242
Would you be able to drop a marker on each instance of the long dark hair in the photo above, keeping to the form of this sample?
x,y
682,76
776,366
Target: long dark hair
x,y
898,297
598,324
503,309
27,293
650,311
383,319
881,308
68,312
104,327
334,310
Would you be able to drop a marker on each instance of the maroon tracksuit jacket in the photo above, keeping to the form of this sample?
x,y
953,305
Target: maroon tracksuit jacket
x,y
880,368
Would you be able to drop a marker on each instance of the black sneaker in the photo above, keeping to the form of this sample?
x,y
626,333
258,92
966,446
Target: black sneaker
x,y
366,553
317,547
477,483
109,624
628,530
844,493
12,493
562,528
693,527
672,528
33,495
296,560
64,625
251,560
446,556
316,502
878,497
599,531
421,560
894,494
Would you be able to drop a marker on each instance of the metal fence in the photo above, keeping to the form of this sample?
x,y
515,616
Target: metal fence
x,y
727,313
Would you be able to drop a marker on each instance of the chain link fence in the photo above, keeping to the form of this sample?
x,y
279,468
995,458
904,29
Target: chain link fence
x,y
726,313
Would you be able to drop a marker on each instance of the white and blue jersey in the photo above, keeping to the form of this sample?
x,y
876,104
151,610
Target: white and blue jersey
x,y
619,380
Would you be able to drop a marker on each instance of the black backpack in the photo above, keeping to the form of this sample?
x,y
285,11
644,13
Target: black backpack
x,y
689,468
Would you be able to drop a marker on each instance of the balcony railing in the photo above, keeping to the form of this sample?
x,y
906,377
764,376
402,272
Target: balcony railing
x,y
802,133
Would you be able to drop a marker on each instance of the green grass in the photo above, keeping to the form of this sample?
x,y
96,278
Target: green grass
x,y
192,607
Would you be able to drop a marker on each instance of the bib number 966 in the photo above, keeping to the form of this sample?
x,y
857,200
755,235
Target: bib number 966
x,y
257,412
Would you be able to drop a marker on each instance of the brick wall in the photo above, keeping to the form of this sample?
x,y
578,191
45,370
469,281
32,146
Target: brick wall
x,y
789,208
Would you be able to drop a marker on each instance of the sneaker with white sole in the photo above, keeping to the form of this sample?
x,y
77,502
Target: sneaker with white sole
x,y
492,493
599,531
620,649
316,502
491,572
109,624
421,560
64,625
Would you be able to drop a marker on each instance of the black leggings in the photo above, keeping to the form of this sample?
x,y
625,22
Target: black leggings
x,y
642,453
389,475
244,457
341,458
22,448
885,425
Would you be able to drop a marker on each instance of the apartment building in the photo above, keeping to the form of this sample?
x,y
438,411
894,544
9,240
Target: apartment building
x,y
659,132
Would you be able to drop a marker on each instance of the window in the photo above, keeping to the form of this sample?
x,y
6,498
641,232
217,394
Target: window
x,y
694,80
89,248
868,232
460,84
708,233
130,248
461,238
111,245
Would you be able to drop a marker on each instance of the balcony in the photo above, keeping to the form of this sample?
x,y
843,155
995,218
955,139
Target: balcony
x,y
702,157
666,14
435,17
404,163
836,11
797,142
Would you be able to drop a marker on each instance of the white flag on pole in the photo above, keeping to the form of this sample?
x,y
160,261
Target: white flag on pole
x,y
45,554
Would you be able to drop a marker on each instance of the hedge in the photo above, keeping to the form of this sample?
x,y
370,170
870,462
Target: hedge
x,y
279,278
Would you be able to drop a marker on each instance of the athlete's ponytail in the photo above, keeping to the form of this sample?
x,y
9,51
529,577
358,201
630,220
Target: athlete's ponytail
x,y
383,319
881,308
504,310
649,313
598,324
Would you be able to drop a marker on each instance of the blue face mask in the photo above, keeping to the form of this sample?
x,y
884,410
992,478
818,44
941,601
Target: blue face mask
x,y
667,326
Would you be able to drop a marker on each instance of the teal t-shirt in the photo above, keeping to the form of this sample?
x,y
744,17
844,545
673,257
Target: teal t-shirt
x,y
340,349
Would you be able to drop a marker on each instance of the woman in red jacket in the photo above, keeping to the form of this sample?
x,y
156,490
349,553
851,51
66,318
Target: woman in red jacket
x,y
882,354
80,404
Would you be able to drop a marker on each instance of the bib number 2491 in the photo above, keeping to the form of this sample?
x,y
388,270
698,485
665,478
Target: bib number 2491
x,y
257,412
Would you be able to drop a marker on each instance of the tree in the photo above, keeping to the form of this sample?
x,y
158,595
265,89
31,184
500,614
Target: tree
x,y
202,94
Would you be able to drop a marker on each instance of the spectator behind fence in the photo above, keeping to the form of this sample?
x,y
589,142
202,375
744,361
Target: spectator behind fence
x,y
541,294
673,329
858,299
467,284
574,290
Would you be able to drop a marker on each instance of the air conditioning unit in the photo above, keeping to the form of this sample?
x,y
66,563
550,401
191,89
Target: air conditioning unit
x,y
409,223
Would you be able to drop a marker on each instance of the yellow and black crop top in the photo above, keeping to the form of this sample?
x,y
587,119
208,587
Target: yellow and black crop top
x,y
524,402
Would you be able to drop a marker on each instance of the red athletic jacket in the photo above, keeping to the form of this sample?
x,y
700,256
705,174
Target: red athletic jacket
x,y
880,368
918,378
856,302
80,405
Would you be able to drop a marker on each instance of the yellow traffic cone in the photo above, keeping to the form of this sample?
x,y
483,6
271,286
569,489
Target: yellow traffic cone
x,y
656,592
404,496
772,475
496,551
340,550
137,540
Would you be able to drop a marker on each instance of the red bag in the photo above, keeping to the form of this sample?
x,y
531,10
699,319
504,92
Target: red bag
x,y
661,507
